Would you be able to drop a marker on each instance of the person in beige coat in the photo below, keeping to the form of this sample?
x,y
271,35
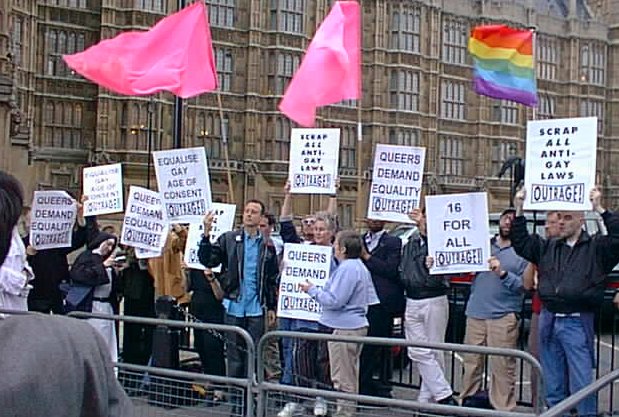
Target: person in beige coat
x,y
167,270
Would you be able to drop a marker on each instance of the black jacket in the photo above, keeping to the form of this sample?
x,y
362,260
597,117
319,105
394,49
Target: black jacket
x,y
416,278
570,279
384,266
228,251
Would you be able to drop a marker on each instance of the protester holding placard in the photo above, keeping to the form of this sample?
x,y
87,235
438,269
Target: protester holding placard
x,y
345,299
93,271
167,269
572,270
491,319
427,313
15,273
249,278
50,266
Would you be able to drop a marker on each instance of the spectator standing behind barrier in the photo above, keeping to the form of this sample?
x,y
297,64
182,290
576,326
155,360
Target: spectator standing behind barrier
x,y
572,270
94,269
249,279
427,313
15,273
492,319
50,266
345,299
381,255
167,269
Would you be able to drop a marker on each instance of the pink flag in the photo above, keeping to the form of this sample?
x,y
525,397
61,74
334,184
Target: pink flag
x,y
175,55
331,69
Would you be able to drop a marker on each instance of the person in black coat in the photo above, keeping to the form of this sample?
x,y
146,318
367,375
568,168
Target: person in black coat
x,y
381,256
51,268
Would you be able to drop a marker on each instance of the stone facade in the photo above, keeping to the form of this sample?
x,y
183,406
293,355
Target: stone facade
x,y
416,91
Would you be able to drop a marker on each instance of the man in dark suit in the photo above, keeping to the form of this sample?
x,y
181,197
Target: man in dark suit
x,y
381,255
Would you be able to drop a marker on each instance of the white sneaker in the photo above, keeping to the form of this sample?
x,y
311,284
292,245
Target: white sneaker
x,y
289,410
320,407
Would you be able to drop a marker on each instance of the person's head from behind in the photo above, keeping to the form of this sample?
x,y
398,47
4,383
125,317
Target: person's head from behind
x,y
551,228
252,213
267,222
375,226
347,245
11,206
307,227
570,224
324,229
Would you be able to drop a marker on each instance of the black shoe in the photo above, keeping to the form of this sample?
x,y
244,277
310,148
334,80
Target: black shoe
x,y
448,401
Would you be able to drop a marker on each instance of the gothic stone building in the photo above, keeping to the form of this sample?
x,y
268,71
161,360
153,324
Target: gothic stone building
x,y
416,91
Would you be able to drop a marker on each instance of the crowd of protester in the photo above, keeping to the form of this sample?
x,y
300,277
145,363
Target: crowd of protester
x,y
373,279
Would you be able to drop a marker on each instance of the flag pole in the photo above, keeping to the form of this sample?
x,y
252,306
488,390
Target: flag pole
x,y
224,140
360,205
178,107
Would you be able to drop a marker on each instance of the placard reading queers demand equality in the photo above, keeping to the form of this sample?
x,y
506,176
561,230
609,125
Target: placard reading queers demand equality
x,y
145,225
560,163
396,182
52,219
184,184
458,232
103,185
314,157
301,263
223,221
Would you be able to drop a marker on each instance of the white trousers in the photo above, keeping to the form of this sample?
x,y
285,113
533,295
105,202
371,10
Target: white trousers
x,y
426,321
106,328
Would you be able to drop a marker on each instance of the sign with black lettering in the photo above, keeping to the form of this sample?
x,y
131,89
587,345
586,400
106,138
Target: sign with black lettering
x,y
184,184
145,225
103,185
223,221
52,219
314,159
458,232
147,254
396,182
560,163
300,263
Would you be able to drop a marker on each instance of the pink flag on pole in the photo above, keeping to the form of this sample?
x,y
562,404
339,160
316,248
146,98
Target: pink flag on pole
x,y
175,55
331,69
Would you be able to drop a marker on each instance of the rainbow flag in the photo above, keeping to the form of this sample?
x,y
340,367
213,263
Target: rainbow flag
x,y
503,63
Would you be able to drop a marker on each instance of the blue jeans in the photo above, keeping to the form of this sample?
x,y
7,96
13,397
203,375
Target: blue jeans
x,y
288,345
566,348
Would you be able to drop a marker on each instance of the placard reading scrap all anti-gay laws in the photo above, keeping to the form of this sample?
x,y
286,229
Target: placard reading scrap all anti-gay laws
x,y
314,158
52,219
458,232
223,221
396,182
103,185
560,163
184,184
300,263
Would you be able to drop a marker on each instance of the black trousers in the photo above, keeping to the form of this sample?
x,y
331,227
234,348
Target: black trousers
x,y
374,358
138,338
209,344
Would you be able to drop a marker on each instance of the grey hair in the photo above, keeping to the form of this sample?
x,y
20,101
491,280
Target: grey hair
x,y
328,219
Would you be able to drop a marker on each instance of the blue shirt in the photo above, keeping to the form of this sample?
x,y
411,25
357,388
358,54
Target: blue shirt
x,y
248,302
493,297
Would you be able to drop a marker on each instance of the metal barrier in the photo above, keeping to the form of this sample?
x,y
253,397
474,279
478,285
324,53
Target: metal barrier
x,y
264,386
179,389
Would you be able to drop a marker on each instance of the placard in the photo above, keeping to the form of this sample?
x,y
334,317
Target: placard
x,y
147,254
223,221
314,160
396,182
103,185
145,225
560,163
53,216
458,232
302,262
184,184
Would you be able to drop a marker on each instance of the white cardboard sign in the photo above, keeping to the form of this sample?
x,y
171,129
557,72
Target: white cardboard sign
x,y
184,184
458,232
53,216
145,225
560,163
223,221
396,182
104,187
314,160
300,263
